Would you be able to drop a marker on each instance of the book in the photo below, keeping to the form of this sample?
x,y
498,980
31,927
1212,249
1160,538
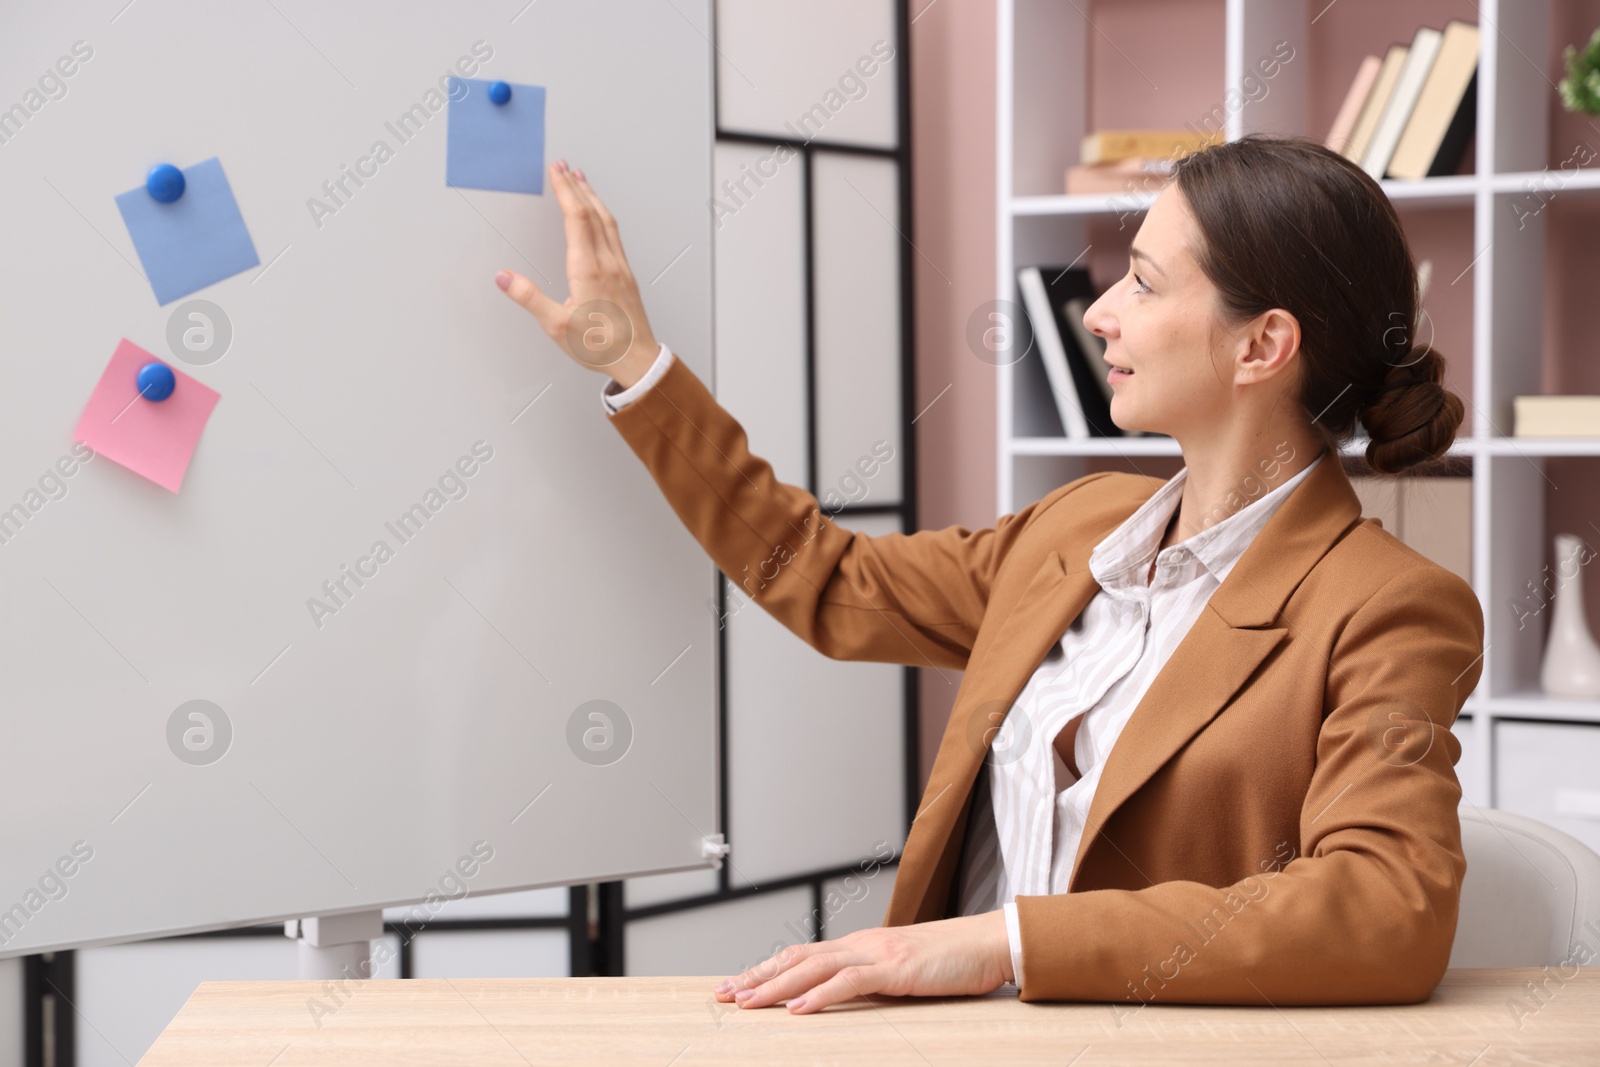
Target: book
x,y
1137,174
1435,139
1555,416
1424,47
1085,411
1345,122
1109,146
1371,111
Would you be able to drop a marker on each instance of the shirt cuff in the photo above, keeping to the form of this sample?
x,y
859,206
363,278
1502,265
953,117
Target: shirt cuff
x,y
616,399
1014,935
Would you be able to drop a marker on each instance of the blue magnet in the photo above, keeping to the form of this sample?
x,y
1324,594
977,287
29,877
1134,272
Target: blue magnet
x,y
156,381
499,93
164,183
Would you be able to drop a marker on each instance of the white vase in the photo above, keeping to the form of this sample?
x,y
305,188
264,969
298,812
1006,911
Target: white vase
x,y
1571,665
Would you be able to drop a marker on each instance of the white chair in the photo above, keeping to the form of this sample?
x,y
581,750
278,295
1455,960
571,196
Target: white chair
x,y
1530,895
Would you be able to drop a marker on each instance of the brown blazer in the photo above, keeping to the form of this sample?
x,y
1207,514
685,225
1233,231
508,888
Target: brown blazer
x,y
1277,821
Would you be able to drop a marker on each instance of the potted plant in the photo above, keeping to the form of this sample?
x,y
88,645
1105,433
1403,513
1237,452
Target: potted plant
x,y
1580,89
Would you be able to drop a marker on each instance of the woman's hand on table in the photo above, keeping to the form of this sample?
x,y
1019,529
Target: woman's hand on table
x,y
602,324
963,956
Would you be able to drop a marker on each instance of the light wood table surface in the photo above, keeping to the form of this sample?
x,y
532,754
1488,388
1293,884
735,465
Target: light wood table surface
x,y
675,1022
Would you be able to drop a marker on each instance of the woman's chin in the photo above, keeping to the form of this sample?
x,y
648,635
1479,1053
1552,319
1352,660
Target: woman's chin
x,y
1128,419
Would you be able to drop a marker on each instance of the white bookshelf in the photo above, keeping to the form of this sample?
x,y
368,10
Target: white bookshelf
x,y
1042,113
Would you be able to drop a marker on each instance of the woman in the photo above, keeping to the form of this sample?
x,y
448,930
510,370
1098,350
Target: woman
x,y
1201,749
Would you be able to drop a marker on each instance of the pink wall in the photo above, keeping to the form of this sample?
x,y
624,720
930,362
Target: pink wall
x,y
953,204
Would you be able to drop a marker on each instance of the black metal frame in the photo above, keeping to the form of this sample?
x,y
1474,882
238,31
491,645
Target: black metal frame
x,y
48,1034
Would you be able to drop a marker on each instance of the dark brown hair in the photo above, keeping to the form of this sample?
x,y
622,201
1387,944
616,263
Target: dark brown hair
x,y
1287,223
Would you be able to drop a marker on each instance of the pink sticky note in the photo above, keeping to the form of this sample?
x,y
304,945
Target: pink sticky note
x,y
154,438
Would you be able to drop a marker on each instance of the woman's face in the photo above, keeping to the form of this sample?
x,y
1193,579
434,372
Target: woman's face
x,y
1160,321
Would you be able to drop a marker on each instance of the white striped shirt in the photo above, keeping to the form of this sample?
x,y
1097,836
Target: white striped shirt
x,y
1028,810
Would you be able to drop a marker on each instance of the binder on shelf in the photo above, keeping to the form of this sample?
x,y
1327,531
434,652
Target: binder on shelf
x,y
1407,87
1052,351
1441,124
1046,292
1371,111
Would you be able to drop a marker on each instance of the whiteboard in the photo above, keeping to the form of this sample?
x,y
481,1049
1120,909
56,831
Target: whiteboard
x,y
373,754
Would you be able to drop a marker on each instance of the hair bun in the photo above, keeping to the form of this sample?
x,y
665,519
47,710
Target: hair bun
x,y
1413,418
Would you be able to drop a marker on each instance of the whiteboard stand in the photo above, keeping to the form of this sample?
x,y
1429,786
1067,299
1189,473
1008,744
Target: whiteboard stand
x,y
337,947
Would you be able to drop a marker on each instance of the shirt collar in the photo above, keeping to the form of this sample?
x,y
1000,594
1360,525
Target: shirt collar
x,y
1125,554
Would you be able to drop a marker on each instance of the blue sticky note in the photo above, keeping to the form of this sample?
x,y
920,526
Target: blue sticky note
x,y
495,146
198,239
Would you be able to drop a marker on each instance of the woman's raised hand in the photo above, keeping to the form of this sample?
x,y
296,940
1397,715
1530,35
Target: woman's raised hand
x,y
602,323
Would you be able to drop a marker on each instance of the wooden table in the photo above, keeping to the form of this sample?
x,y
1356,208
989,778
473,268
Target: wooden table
x,y
675,1022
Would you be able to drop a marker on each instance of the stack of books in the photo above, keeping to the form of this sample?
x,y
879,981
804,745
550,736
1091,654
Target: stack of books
x,y
1133,161
1411,114
1055,299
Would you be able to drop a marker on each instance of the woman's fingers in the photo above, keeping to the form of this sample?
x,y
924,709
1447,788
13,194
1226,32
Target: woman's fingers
x,y
771,967
798,979
847,983
608,225
551,315
584,230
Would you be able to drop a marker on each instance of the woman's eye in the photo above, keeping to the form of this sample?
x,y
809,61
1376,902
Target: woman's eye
x,y
1143,288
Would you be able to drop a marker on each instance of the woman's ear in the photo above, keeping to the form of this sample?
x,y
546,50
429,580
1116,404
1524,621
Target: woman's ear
x,y
1274,339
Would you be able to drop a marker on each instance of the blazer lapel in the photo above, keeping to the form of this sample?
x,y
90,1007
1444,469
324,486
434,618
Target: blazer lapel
x,y
1229,640
1207,668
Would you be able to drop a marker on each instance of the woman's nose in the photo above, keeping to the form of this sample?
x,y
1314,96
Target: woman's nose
x,y
1097,318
